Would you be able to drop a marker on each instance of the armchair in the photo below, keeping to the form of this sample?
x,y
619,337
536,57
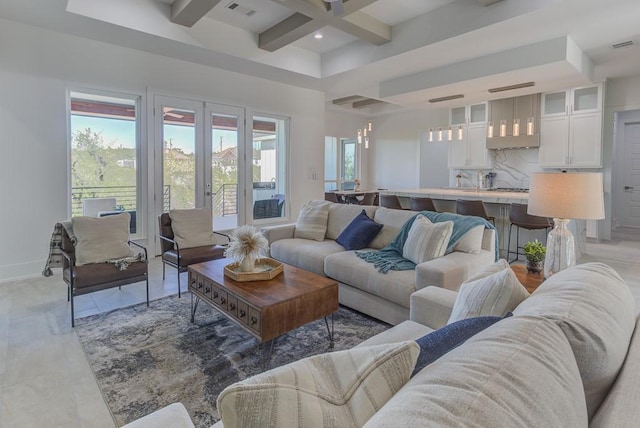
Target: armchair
x,y
89,277
180,258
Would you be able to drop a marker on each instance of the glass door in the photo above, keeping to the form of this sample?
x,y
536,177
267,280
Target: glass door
x,y
349,171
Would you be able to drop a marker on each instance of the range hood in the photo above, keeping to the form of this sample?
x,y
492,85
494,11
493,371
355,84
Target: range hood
x,y
507,110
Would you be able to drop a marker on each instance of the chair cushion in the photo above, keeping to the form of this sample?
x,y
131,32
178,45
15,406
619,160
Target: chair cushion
x,y
304,253
189,256
471,242
192,228
312,220
338,389
427,241
359,232
99,239
101,273
493,294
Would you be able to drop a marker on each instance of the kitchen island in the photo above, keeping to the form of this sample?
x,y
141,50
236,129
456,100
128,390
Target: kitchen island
x,y
497,204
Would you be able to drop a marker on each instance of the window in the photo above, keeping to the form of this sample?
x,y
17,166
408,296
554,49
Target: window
x,y
341,163
348,166
105,159
330,164
269,160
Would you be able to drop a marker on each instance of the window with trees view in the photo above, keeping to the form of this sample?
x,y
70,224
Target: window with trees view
x,y
104,155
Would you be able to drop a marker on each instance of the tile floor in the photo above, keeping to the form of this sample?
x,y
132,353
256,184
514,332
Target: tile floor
x,y
45,378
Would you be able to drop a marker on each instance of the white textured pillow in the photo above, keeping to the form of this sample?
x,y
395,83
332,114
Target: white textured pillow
x,y
495,294
99,239
312,220
471,242
426,240
340,389
192,228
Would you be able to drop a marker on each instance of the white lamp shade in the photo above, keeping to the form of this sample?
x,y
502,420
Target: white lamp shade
x,y
567,195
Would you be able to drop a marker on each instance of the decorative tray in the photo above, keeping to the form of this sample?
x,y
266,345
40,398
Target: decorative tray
x,y
265,270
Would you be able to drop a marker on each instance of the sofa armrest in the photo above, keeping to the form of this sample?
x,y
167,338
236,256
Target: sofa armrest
x,y
432,306
451,270
172,416
276,233
489,240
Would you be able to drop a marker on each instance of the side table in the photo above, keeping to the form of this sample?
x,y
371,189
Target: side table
x,y
531,281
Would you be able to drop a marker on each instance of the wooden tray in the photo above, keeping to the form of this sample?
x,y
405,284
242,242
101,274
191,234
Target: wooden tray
x,y
265,270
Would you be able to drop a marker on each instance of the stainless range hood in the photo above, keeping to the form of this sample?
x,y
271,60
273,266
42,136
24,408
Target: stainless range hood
x,y
508,109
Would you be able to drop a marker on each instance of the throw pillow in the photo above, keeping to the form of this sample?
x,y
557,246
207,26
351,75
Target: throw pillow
x,y
100,239
495,294
426,241
471,242
192,228
359,232
341,389
312,220
439,342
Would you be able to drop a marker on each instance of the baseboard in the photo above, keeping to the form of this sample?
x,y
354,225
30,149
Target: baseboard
x,y
20,271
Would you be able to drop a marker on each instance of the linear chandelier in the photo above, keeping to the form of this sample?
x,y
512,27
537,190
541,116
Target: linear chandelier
x,y
445,135
365,133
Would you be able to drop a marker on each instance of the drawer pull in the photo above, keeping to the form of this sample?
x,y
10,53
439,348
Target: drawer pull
x,y
193,281
200,285
242,313
254,320
207,289
215,294
232,306
222,300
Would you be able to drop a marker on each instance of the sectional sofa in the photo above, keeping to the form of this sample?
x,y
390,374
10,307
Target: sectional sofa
x,y
384,296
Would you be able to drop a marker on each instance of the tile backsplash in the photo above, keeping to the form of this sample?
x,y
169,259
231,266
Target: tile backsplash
x,y
513,167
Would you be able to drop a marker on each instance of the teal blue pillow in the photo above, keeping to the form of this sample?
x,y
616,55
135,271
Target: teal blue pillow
x,y
439,342
359,233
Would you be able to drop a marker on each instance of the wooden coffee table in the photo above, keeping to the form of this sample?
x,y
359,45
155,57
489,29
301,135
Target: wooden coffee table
x,y
265,309
531,281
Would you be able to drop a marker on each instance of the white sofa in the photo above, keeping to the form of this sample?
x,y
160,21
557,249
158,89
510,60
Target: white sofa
x,y
362,287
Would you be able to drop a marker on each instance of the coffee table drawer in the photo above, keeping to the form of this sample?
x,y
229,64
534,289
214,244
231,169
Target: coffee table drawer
x,y
255,319
242,311
196,283
232,306
219,297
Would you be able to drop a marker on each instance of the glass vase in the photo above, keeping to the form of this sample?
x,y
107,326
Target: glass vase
x,y
561,248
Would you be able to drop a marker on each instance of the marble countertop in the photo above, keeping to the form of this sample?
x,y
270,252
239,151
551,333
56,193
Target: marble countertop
x,y
452,193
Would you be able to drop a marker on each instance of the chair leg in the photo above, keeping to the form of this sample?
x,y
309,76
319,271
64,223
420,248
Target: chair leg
x,y
73,319
517,242
163,266
147,281
509,244
178,282
68,292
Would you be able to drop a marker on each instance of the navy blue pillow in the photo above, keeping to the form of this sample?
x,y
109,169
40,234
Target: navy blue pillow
x,y
439,342
359,233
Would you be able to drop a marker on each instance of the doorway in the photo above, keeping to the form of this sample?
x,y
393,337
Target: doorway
x,y
626,176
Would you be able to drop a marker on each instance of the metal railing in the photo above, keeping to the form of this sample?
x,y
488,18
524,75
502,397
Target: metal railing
x,y
126,198
224,201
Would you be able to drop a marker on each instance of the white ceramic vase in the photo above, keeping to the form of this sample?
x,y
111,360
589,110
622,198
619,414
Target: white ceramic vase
x,y
248,264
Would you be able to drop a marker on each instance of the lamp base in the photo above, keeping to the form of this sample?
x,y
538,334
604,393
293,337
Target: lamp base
x,y
561,248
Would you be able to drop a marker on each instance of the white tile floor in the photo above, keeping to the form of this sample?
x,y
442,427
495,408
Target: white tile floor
x,y
45,377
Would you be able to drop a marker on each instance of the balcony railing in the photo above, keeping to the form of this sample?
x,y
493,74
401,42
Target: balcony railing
x,y
126,198
224,201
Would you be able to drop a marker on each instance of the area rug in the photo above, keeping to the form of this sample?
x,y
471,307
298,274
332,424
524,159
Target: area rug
x,y
145,358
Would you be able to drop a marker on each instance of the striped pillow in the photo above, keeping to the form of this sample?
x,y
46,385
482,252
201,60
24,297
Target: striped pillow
x,y
495,295
338,389
427,241
312,220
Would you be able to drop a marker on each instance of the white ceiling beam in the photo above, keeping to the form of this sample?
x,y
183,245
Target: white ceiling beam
x,y
313,15
188,12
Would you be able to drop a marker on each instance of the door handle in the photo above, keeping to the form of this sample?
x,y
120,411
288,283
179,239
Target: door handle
x,y
628,187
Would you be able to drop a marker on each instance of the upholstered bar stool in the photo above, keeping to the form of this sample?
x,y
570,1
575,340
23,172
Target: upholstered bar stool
x,y
390,201
475,208
422,204
521,219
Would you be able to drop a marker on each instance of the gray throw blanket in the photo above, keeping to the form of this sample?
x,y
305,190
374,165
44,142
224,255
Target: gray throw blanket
x,y
390,257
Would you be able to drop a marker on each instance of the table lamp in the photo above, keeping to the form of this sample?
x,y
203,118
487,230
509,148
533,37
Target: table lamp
x,y
565,196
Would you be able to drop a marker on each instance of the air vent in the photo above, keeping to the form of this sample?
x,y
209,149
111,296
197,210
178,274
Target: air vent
x,y
624,44
236,7
511,87
448,98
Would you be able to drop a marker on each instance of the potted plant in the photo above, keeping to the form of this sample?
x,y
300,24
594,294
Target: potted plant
x,y
534,251
246,246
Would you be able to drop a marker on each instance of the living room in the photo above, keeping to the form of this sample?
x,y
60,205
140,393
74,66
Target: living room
x,y
48,51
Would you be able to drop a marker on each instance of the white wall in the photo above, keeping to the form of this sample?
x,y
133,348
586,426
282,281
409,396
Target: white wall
x,y
37,68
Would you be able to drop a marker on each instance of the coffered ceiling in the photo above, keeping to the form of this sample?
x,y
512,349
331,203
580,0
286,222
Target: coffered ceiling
x,y
403,52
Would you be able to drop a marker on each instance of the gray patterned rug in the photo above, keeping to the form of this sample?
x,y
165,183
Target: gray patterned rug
x,y
145,358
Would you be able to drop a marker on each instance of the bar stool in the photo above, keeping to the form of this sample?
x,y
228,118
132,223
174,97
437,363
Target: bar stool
x,y
422,204
521,219
390,201
370,198
475,208
332,197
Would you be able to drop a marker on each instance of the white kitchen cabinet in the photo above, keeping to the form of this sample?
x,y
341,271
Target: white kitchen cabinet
x,y
470,152
571,134
474,114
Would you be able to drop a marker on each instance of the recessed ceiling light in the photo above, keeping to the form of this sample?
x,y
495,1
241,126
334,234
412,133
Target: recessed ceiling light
x,y
317,36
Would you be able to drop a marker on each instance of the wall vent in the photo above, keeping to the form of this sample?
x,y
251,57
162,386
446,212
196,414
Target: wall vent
x,y
625,44
237,7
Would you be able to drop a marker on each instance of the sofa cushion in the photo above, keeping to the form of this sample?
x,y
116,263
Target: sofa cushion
x,y
391,221
471,242
347,268
99,239
192,228
426,241
304,253
437,343
312,220
406,330
339,389
359,232
596,311
494,294
520,372
340,215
